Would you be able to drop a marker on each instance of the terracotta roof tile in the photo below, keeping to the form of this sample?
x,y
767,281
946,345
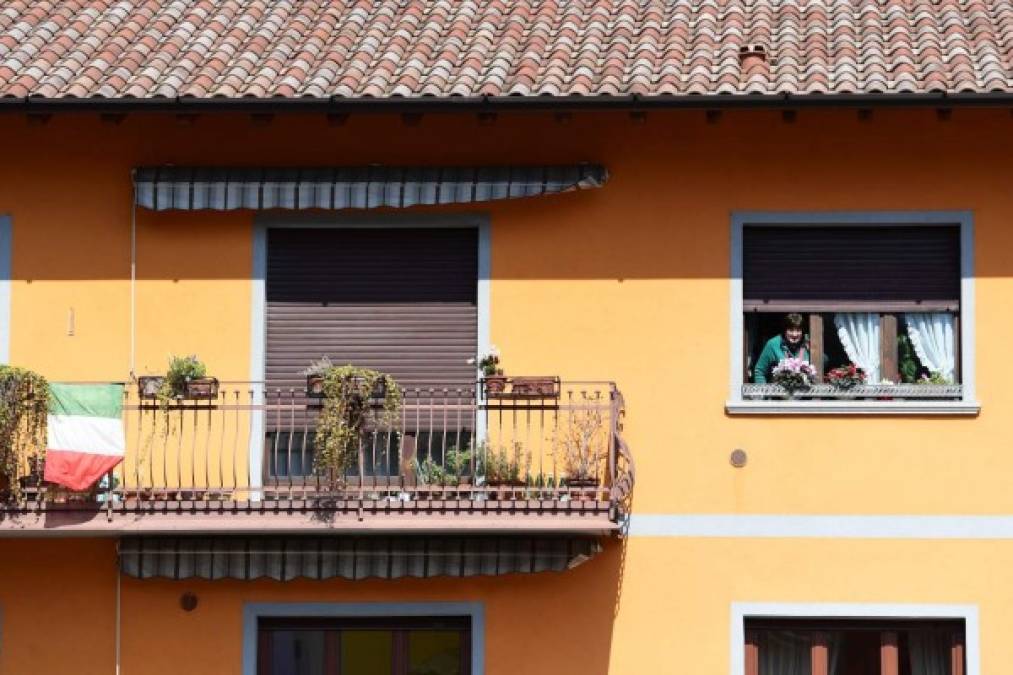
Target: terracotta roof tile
x,y
410,48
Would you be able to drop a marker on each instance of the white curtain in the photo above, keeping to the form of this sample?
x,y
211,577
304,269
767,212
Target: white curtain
x,y
859,333
785,652
929,651
932,337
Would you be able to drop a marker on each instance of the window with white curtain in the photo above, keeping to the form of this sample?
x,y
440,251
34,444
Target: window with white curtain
x,y
882,299
854,647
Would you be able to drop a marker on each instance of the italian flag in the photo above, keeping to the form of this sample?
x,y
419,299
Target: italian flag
x,y
85,433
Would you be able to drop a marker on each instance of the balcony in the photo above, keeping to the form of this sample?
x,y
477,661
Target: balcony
x,y
453,459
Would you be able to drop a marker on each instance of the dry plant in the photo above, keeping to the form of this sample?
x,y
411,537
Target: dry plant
x,y
580,445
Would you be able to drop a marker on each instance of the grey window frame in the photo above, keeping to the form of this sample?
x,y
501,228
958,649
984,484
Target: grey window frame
x,y
967,405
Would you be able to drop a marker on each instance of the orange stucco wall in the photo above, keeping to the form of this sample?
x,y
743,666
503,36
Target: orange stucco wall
x,y
627,283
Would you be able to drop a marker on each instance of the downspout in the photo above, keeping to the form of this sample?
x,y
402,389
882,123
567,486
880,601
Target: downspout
x,y
117,639
133,274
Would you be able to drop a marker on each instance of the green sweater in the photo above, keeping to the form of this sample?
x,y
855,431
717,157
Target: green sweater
x,y
775,350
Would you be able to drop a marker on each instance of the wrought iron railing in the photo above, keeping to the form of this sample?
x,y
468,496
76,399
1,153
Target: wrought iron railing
x,y
448,450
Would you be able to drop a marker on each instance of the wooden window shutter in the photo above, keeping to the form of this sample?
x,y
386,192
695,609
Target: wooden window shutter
x,y
817,267
889,653
752,653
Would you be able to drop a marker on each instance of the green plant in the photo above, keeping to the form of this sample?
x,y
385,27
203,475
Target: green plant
x,y
456,465
347,410
24,409
502,465
488,363
907,361
933,378
182,369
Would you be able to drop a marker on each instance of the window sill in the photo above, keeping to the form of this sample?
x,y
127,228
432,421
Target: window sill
x,y
898,408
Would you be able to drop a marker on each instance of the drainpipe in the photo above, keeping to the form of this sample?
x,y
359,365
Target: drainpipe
x,y
117,629
133,275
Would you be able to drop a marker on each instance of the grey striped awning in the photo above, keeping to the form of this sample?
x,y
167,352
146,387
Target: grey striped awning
x,y
355,557
226,189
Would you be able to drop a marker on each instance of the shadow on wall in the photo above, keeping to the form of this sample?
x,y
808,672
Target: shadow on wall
x,y
664,213
538,624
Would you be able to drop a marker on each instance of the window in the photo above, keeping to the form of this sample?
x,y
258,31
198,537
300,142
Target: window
x,y
388,646
854,647
872,311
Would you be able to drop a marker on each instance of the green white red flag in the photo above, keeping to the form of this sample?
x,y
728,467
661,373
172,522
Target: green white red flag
x,y
85,437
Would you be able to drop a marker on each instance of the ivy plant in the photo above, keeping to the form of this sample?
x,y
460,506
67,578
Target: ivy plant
x,y
24,408
348,410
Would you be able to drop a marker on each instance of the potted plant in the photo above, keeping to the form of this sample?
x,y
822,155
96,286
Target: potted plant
x,y
315,373
187,378
347,412
148,386
24,408
933,378
493,381
846,377
36,471
793,374
451,473
505,469
581,446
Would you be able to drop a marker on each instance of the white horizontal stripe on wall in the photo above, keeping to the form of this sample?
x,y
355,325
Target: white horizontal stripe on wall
x,y
823,526
87,435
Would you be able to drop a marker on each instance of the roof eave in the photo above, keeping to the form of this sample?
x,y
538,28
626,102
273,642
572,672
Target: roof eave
x,y
337,105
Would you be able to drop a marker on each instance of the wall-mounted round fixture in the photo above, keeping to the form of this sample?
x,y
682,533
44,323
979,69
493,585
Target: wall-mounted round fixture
x,y
188,601
738,458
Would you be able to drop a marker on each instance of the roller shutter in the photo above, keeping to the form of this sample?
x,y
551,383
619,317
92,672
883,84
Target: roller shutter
x,y
402,301
845,263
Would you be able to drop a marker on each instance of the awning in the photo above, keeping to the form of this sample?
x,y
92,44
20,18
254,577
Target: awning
x,y
359,557
225,189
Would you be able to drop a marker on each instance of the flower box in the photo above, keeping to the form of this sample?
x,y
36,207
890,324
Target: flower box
x,y
534,387
148,386
201,389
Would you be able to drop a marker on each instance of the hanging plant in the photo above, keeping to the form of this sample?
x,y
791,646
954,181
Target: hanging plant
x,y
24,407
354,399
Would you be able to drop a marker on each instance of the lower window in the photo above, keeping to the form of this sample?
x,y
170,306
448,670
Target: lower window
x,y
854,647
387,646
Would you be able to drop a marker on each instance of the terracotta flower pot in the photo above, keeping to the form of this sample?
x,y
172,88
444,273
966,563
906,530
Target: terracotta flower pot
x,y
314,386
494,385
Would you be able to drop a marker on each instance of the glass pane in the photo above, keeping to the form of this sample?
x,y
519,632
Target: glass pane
x,y
929,651
297,652
784,652
367,652
434,652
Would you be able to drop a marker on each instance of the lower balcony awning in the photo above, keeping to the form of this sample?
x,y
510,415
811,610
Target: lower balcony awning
x,y
225,189
286,558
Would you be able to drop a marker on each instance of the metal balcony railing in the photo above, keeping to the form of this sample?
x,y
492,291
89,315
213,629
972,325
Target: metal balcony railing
x,y
449,451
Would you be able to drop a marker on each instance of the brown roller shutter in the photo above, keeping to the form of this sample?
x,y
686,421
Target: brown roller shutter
x,y
402,301
838,263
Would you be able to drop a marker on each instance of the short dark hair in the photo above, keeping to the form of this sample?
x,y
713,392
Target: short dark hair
x,y
794,320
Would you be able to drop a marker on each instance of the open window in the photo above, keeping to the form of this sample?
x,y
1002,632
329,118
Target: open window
x,y
851,312
854,647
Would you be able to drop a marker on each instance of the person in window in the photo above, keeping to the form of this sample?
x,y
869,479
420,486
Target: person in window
x,y
792,342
